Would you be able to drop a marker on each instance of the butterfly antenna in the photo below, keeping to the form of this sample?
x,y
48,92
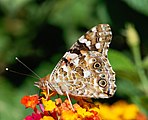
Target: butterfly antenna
x,y
27,67
7,69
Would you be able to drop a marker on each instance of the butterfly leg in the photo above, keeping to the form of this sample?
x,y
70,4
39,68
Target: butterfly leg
x,y
49,94
69,101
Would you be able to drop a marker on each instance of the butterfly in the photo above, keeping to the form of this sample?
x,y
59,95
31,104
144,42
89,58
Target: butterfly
x,y
84,70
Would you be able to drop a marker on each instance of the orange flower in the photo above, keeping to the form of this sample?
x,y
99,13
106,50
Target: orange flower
x,y
58,109
30,101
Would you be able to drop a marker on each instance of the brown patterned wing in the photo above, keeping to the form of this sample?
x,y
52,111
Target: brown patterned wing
x,y
85,70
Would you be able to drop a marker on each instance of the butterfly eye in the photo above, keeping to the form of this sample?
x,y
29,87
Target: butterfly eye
x,y
102,83
97,65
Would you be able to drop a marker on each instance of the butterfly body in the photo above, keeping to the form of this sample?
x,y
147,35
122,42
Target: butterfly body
x,y
84,70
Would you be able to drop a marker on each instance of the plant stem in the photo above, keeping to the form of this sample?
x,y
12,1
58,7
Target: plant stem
x,y
140,70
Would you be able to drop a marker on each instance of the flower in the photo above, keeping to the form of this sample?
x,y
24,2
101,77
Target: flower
x,y
120,110
69,115
30,101
83,113
49,105
58,109
33,117
47,118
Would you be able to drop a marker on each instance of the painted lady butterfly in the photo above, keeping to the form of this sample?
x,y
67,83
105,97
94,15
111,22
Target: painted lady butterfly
x,y
84,70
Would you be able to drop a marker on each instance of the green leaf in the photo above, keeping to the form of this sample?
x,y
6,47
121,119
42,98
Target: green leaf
x,y
119,61
122,65
139,5
131,88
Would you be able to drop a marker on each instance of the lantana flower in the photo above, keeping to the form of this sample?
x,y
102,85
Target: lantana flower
x,y
34,116
30,101
61,110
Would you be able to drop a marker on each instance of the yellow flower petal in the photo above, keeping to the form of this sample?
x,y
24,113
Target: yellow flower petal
x,y
119,111
69,115
130,112
47,118
106,113
49,105
83,113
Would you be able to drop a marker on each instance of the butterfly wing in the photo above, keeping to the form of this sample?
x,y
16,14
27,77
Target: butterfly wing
x,y
85,70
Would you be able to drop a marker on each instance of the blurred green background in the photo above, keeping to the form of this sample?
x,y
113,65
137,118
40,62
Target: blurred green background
x,y
39,32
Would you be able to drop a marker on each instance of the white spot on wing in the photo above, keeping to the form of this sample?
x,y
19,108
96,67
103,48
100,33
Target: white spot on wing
x,y
65,68
82,39
95,82
101,95
71,55
100,39
94,29
97,45
86,74
57,80
88,43
76,61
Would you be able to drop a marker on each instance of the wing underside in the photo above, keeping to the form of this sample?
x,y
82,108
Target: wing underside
x,y
81,68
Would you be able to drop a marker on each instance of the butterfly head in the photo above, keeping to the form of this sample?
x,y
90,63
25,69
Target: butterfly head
x,y
43,84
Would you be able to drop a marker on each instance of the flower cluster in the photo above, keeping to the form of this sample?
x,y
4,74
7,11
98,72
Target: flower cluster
x,y
121,110
58,110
